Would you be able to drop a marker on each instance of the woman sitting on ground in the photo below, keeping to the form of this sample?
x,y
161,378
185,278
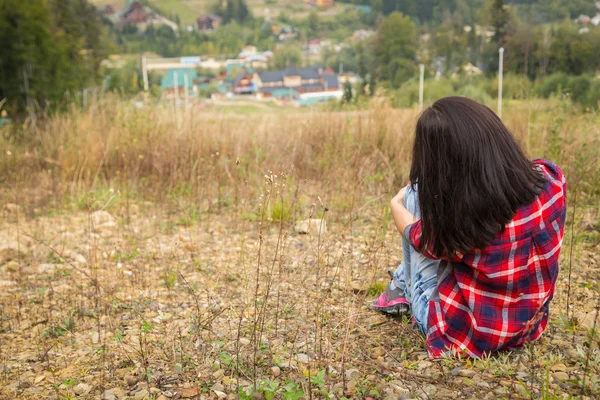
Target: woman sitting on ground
x,y
482,230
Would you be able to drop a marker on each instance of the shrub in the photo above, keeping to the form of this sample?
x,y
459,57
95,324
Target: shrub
x,y
578,88
592,98
516,87
408,94
553,84
476,93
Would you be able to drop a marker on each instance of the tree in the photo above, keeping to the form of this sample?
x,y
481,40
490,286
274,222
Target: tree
x,y
285,57
347,97
25,52
570,52
395,48
47,48
313,22
499,21
233,10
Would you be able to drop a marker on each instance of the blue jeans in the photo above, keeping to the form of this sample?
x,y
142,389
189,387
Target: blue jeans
x,y
417,274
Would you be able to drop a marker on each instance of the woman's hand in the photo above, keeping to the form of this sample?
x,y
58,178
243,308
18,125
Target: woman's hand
x,y
402,217
399,198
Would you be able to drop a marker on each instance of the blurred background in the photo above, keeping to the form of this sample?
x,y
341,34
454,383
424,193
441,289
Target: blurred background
x,y
57,52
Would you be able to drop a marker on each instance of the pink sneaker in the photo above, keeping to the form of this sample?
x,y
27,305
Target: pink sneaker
x,y
392,302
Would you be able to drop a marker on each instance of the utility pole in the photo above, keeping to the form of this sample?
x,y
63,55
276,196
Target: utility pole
x,y
185,91
176,83
145,73
500,77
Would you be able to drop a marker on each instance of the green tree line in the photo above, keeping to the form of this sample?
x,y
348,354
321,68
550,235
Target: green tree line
x,y
48,49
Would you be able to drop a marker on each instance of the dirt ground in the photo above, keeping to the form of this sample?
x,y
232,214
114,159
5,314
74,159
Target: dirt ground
x,y
148,302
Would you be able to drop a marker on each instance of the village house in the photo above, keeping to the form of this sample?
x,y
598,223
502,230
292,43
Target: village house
x,y
362,34
284,32
176,80
320,3
314,46
302,81
243,82
138,15
255,59
208,23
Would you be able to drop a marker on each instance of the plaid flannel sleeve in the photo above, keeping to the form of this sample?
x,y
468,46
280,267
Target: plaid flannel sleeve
x,y
414,233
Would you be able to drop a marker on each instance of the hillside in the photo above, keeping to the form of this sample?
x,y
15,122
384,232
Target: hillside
x,y
189,10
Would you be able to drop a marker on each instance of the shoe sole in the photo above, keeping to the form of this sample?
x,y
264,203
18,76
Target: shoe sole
x,y
396,310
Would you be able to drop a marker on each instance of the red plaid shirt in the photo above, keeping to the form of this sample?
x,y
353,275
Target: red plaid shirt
x,y
497,297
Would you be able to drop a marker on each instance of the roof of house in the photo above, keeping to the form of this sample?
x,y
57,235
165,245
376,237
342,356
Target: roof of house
x,y
244,72
331,80
209,17
276,76
271,76
310,73
168,80
271,89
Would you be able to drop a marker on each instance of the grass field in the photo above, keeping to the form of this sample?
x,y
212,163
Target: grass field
x,y
149,256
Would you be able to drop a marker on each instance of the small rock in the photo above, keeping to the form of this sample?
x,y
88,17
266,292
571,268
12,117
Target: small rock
x,y
114,394
141,395
286,365
191,392
131,380
12,266
561,376
109,395
560,367
95,338
102,218
352,373
47,268
501,390
220,395
154,390
162,397
351,385
358,287
301,357
467,373
484,384
12,208
82,389
311,226
218,387
218,374
377,352
120,393
275,371
244,342
586,320
424,365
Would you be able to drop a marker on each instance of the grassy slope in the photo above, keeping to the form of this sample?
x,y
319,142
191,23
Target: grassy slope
x,y
189,10
170,290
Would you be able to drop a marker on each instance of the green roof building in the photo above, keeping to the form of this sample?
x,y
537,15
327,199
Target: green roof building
x,y
168,80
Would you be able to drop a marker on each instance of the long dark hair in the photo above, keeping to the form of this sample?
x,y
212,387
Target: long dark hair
x,y
471,176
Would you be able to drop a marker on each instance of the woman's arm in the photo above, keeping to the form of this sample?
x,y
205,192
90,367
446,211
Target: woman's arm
x,y
402,217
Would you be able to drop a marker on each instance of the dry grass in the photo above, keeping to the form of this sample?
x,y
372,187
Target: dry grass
x,y
200,288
